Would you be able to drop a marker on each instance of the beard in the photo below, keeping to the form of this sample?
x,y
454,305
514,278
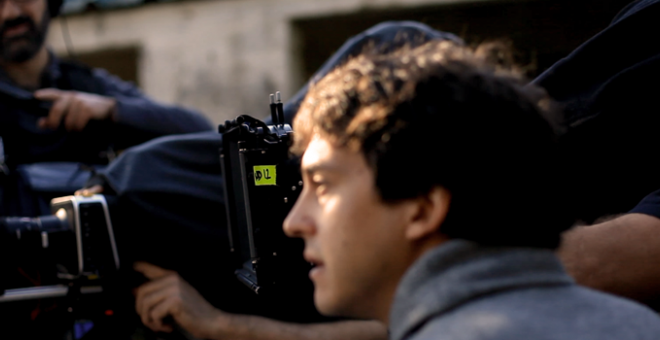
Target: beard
x,y
20,48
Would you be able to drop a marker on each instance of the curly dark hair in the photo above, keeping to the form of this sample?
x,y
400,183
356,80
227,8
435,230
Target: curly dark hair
x,y
445,115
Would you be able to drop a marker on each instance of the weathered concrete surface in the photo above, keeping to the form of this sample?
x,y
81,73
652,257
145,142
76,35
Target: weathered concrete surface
x,y
222,57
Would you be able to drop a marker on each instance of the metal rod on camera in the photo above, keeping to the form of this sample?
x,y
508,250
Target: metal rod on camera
x,y
273,109
280,108
33,293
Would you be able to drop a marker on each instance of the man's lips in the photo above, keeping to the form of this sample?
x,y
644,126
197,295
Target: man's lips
x,y
316,263
16,30
314,260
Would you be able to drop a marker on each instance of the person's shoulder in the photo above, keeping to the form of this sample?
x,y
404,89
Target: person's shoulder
x,y
617,317
563,312
72,65
576,312
483,325
114,84
66,66
611,307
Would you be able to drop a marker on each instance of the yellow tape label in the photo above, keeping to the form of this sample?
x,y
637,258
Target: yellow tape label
x,y
265,175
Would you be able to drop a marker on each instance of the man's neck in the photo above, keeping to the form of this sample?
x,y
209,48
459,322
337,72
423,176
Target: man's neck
x,y
382,305
28,73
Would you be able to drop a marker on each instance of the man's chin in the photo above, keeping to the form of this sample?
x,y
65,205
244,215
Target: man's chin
x,y
20,48
322,303
19,54
329,306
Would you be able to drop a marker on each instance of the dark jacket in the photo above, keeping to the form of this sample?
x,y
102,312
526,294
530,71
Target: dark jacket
x,y
139,119
461,291
609,88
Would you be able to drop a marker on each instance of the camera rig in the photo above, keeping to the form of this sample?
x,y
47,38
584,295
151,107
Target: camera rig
x,y
262,182
79,236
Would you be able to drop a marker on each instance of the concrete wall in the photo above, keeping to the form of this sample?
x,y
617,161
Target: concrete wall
x,y
222,57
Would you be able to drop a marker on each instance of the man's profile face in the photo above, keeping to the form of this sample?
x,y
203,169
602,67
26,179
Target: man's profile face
x,y
23,29
355,239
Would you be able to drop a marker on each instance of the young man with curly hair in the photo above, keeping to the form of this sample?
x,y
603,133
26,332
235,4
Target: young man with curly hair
x,y
433,203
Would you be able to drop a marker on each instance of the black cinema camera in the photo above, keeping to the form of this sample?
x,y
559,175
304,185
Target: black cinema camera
x,y
78,237
262,182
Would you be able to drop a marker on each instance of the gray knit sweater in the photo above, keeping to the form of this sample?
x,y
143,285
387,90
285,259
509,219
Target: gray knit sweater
x,y
461,291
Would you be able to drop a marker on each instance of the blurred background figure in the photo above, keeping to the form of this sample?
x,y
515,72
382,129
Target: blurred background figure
x,y
62,111
56,117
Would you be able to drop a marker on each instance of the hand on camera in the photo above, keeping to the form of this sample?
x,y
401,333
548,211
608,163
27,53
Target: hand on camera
x,y
74,109
167,294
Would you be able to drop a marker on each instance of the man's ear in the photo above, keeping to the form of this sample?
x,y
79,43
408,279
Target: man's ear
x,y
431,212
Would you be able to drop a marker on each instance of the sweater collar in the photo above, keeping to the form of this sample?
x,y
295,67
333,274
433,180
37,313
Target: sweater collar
x,y
459,271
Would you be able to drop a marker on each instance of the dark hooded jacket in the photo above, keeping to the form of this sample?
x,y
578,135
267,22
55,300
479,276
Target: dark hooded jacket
x,y
608,88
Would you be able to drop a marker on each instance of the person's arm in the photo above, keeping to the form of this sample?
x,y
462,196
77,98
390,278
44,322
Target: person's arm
x,y
136,110
620,256
248,327
167,294
123,104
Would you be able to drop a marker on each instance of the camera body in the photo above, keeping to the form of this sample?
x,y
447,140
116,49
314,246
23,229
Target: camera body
x,y
78,238
95,245
262,182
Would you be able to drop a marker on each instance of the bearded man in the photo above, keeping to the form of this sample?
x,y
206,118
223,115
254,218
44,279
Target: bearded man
x,y
88,110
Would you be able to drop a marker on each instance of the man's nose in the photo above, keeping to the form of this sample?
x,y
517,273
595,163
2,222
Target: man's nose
x,y
9,10
299,223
